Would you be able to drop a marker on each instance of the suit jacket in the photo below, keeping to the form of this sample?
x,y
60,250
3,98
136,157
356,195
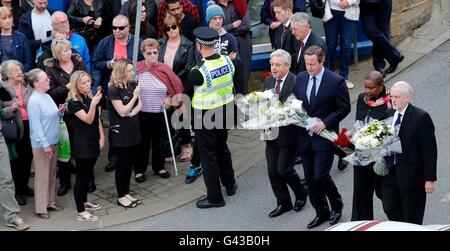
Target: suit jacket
x,y
287,135
286,40
332,104
299,65
184,57
417,162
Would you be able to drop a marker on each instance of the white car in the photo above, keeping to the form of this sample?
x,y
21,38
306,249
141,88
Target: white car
x,y
375,225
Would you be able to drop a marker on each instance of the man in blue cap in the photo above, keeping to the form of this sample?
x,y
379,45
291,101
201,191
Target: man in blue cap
x,y
213,97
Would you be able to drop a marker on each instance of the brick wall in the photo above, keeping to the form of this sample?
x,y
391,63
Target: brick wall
x,y
408,15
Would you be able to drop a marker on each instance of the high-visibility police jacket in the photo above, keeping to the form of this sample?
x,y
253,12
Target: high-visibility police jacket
x,y
217,87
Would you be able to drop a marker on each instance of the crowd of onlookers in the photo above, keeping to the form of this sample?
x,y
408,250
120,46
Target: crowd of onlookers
x,y
65,66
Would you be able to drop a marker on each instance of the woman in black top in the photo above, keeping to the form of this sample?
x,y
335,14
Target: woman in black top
x,y
374,103
124,136
88,139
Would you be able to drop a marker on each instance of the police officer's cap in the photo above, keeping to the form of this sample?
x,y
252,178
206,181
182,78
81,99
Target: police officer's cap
x,y
206,36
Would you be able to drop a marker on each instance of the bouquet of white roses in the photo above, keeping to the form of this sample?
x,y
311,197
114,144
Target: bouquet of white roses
x,y
270,112
373,141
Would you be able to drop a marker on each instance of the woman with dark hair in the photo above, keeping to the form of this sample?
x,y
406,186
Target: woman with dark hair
x,y
44,118
374,103
59,69
19,93
178,53
159,85
123,107
147,30
88,139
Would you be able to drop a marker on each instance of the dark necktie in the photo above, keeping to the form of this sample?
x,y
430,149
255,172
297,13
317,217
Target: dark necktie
x,y
302,46
278,86
312,94
391,160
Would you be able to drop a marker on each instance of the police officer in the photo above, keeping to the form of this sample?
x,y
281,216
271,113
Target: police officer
x,y
212,101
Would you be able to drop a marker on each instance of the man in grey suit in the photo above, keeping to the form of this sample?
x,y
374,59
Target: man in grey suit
x,y
281,143
301,28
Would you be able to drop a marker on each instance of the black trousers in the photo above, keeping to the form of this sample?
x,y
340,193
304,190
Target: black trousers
x,y
21,166
125,159
317,167
195,160
365,183
375,19
85,168
153,132
280,166
402,204
215,158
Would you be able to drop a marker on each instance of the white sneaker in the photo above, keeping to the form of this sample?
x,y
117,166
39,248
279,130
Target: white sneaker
x,y
349,84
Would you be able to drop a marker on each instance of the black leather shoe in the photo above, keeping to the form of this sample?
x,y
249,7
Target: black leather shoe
x,y
281,209
231,190
205,203
21,200
110,167
63,189
393,66
298,161
318,220
28,191
299,204
140,179
342,164
335,216
92,187
382,71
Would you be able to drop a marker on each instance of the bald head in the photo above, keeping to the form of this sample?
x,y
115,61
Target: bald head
x,y
120,19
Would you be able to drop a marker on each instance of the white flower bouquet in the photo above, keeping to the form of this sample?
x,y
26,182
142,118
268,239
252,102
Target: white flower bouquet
x,y
264,112
373,141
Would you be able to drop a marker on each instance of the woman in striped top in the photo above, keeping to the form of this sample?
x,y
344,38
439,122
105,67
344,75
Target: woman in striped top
x,y
159,85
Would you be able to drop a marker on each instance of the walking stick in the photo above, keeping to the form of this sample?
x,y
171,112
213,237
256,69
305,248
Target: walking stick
x,y
170,142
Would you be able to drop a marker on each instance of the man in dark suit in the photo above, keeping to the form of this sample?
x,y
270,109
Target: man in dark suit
x,y
281,143
413,172
325,97
284,39
301,28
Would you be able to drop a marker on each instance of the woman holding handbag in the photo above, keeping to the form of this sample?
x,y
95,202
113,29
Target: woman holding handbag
x,y
44,118
11,72
88,139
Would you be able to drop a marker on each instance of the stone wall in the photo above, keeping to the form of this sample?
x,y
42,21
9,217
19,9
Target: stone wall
x,y
408,15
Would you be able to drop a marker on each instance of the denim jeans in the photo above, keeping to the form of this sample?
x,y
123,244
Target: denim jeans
x,y
339,29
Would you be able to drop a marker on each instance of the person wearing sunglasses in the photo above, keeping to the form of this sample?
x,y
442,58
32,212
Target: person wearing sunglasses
x,y
108,51
178,53
159,85
185,21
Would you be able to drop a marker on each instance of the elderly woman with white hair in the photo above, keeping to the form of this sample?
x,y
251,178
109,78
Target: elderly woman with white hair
x,y
19,92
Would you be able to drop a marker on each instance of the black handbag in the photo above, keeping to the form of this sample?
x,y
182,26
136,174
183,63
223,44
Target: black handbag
x,y
317,8
176,142
11,131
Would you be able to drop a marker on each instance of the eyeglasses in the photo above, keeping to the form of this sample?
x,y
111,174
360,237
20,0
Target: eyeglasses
x,y
151,53
172,27
121,28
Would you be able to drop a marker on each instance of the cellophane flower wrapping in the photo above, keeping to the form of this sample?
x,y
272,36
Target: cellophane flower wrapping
x,y
373,140
264,110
